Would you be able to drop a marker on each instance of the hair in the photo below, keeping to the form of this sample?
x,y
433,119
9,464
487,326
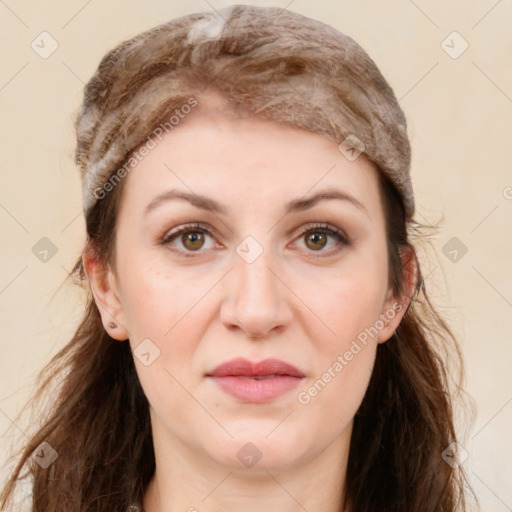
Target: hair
x,y
99,421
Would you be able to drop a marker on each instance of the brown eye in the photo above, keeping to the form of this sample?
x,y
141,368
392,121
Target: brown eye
x,y
316,240
189,239
324,239
192,240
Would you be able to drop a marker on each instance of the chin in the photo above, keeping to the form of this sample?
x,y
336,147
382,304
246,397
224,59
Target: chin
x,y
254,451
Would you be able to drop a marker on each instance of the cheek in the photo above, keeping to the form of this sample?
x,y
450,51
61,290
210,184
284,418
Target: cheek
x,y
348,302
167,312
345,300
162,303
160,308
354,306
346,352
154,297
336,394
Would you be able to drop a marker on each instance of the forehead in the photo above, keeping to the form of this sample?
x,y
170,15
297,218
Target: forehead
x,y
248,160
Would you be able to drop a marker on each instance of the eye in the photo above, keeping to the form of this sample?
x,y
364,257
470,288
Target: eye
x,y
316,237
192,238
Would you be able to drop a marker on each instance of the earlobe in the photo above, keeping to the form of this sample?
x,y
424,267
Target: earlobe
x,y
390,317
396,307
102,284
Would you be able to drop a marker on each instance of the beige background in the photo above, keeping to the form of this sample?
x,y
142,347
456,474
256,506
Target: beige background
x,y
459,115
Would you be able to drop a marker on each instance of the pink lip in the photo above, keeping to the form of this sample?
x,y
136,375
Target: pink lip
x,y
234,377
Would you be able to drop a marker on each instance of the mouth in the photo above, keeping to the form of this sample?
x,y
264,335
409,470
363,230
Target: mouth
x,y
256,382
259,377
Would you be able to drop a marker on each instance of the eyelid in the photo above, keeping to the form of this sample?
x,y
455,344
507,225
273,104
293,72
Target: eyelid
x,y
189,226
184,228
327,226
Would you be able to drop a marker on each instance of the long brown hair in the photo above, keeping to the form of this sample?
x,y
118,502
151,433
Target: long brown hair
x,y
98,422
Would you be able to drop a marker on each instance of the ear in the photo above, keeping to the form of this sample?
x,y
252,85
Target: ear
x,y
103,288
394,307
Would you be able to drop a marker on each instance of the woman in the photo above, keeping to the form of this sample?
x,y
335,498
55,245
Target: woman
x,y
257,332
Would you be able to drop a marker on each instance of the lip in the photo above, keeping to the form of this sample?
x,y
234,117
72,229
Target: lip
x,y
256,382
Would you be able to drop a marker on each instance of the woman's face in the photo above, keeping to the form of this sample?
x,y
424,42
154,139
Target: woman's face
x,y
256,280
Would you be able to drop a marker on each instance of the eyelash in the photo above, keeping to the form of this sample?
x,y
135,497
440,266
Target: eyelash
x,y
317,228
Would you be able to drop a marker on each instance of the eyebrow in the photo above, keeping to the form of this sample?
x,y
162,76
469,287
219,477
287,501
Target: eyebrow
x,y
209,204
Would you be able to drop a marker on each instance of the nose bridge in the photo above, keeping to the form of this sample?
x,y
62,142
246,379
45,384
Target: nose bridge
x,y
257,299
255,280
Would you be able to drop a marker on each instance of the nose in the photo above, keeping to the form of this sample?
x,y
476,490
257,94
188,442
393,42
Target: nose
x,y
257,299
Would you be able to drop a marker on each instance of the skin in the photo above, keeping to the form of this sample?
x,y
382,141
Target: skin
x,y
300,302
